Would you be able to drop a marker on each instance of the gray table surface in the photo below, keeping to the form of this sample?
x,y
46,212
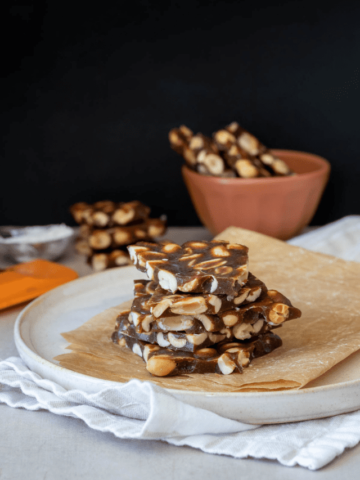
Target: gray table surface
x,y
40,445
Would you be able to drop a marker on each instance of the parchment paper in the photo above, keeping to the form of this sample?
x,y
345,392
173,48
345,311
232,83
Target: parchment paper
x,y
325,288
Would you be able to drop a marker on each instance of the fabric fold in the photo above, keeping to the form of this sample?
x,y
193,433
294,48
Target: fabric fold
x,y
140,410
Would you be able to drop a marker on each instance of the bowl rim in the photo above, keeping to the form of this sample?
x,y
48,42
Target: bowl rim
x,y
322,163
20,227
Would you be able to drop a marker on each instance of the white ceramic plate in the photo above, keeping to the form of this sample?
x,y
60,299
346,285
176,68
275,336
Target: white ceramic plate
x,y
38,340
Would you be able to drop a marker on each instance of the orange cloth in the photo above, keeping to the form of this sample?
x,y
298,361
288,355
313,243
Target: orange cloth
x,y
29,280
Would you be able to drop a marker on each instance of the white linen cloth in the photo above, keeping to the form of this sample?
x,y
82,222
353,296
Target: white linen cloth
x,y
340,238
141,410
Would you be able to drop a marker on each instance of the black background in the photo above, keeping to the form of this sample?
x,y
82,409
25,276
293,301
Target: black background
x,y
90,90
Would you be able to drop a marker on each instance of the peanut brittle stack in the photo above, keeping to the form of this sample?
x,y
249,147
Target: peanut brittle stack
x,y
107,228
201,309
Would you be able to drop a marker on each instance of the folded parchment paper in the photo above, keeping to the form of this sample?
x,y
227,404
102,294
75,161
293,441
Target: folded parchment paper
x,y
325,288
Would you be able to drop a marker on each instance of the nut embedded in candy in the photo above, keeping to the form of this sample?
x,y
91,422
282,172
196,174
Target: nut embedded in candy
x,y
102,261
144,287
224,140
246,169
161,366
212,163
130,212
179,138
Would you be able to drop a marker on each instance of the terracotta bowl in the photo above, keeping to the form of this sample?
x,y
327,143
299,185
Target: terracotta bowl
x,y
278,206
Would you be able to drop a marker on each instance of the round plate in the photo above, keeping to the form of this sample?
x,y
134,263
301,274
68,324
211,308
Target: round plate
x,y
38,339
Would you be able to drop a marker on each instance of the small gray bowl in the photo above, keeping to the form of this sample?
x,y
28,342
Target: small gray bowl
x,y
24,251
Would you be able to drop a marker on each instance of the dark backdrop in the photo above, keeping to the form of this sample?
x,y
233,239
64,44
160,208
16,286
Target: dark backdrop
x,y
90,90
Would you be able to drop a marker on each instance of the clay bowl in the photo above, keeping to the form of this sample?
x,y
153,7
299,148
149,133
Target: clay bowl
x,y
278,206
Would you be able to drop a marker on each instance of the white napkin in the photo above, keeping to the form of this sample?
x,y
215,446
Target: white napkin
x,y
141,410
340,238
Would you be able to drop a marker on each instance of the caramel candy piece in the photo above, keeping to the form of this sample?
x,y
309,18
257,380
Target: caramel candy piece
x,y
97,214
179,141
126,213
245,165
216,267
179,138
200,142
232,135
210,164
225,359
192,339
156,227
162,303
208,160
245,140
250,144
77,210
174,340
235,324
224,140
143,320
246,155
108,214
118,236
274,309
274,164
199,152
249,320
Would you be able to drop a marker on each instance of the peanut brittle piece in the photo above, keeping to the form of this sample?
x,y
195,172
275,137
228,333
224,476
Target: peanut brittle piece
x,y
179,138
101,239
274,309
245,139
107,213
244,164
244,322
163,303
199,151
190,341
144,321
97,214
227,358
274,164
254,147
216,267
130,212
247,155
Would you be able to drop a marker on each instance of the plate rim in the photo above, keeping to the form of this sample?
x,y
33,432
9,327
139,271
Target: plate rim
x,y
21,345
